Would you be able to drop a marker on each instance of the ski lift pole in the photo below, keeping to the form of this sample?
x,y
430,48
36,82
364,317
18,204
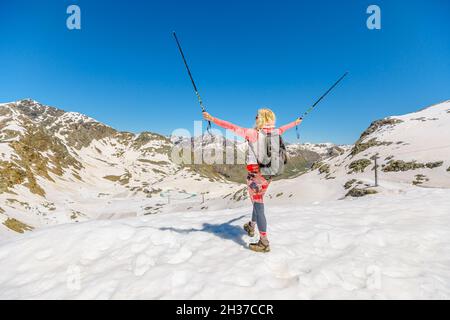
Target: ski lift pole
x,y
190,76
320,99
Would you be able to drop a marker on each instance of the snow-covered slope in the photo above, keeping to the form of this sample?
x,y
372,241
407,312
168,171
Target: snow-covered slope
x,y
379,247
412,150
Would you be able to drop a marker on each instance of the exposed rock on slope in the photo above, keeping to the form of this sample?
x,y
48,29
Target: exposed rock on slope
x,y
79,167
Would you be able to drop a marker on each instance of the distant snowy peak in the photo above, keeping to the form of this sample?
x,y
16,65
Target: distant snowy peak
x,y
38,112
76,117
324,150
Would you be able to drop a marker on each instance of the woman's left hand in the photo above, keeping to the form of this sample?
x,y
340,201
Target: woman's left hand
x,y
207,116
298,121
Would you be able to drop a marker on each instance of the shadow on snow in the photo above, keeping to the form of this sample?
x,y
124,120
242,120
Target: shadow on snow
x,y
225,230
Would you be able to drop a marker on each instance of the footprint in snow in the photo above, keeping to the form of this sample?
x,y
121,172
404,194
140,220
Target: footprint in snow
x,y
179,278
43,254
181,256
278,265
126,233
142,264
138,247
243,280
3,253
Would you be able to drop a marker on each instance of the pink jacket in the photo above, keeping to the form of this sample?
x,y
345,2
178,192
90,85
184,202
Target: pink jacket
x,y
250,134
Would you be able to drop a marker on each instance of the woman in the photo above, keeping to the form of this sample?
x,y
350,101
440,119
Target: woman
x,y
257,184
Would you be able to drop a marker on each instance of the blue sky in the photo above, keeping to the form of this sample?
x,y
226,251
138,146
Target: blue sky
x,y
123,67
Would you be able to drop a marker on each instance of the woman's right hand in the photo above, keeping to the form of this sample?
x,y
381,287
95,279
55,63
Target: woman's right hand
x,y
207,116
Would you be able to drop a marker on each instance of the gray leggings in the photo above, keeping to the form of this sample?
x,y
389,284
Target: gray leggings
x,y
259,217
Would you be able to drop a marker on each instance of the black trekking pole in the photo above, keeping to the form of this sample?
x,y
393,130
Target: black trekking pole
x,y
320,99
192,79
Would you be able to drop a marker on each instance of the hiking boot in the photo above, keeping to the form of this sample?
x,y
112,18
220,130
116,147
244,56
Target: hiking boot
x,y
261,246
249,228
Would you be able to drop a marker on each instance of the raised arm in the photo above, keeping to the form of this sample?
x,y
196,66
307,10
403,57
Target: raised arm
x,y
242,132
284,128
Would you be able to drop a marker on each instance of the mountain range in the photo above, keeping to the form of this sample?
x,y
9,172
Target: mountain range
x,y
109,215
58,167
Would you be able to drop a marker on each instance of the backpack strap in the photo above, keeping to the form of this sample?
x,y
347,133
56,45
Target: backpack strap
x,y
251,147
267,137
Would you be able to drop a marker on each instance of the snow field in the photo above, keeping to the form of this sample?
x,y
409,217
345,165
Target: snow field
x,y
372,248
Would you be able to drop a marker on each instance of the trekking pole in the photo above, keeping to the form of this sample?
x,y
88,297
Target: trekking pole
x,y
320,99
192,79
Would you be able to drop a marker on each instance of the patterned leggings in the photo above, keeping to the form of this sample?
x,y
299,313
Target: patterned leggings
x,y
257,186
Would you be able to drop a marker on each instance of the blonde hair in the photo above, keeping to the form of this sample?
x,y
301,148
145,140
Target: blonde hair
x,y
265,117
